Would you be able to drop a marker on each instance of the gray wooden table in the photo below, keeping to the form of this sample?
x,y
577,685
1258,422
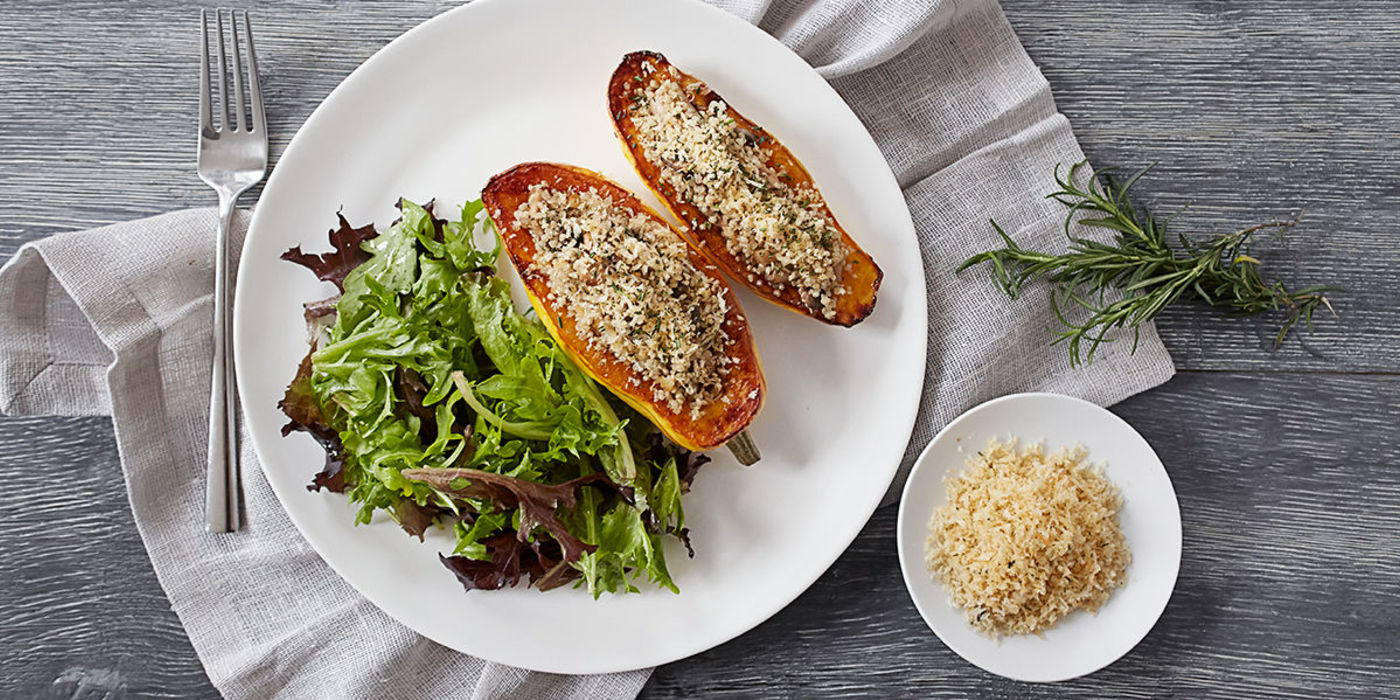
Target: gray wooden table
x,y
1286,461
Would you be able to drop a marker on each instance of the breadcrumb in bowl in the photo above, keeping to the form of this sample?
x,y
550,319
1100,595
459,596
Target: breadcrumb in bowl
x,y
1026,538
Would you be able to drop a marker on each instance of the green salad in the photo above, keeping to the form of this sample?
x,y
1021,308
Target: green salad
x,y
442,406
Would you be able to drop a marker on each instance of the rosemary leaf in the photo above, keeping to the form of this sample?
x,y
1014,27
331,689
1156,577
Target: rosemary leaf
x,y
1138,262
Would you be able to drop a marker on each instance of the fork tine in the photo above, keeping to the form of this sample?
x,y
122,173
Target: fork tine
x,y
254,87
223,74
240,120
206,121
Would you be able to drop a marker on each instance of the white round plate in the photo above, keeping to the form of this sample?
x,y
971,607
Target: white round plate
x,y
1082,643
498,82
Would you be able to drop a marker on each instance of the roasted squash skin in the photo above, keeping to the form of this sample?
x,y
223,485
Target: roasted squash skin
x,y
861,277
744,387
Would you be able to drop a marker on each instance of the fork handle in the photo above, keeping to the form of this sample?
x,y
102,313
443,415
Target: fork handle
x,y
221,499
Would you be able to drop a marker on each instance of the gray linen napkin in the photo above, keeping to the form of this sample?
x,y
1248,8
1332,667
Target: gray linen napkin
x,y
116,321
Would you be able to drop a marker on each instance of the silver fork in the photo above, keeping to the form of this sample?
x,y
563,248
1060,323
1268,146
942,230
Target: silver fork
x,y
232,158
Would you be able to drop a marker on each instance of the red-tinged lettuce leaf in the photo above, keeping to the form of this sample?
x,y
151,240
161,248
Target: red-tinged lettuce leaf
x,y
413,518
538,503
304,413
320,316
345,256
410,387
683,535
433,219
654,526
315,311
501,571
688,463
510,559
554,576
331,477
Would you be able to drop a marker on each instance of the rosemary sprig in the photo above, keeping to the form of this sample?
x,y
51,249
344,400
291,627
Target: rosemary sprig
x,y
1139,262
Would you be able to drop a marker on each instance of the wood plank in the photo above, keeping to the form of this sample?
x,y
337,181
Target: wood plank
x,y
75,72
1289,583
1255,111
83,613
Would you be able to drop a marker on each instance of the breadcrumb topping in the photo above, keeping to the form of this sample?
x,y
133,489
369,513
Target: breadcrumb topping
x,y
1027,538
779,229
629,286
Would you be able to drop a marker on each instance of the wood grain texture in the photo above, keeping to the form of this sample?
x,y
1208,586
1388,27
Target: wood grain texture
x,y
1283,458
1256,111
81,613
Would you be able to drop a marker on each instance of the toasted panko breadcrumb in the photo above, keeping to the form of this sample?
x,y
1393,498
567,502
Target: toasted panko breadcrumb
x,y
1027,538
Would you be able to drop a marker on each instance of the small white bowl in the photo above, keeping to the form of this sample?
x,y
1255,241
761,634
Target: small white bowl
x,y
1082,642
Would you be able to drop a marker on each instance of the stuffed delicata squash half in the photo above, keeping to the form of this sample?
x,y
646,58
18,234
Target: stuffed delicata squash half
x,y
748,204
631,302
